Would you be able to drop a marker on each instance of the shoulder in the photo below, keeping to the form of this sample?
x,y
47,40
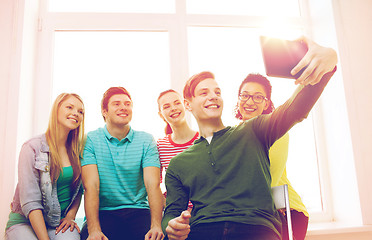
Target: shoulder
x,y
96,133
164,139
96,137
142,135
37,142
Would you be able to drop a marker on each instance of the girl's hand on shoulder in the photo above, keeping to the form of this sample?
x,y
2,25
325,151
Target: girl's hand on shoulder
x,y
67,223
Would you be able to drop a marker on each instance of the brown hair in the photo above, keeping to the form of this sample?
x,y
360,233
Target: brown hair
x,y
260,79
189,89
168,129
109,93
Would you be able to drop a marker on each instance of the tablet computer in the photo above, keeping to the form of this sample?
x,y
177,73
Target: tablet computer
x,y
281,56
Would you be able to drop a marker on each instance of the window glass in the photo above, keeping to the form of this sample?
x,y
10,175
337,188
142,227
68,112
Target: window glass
x,y
231,54
88,63
283,8
138,6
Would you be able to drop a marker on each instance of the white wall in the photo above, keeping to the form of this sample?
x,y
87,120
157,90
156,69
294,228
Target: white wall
x,y
11,19
354,33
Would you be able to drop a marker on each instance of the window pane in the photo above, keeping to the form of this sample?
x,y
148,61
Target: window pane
x,y
285,8
88,63
138,6
231,54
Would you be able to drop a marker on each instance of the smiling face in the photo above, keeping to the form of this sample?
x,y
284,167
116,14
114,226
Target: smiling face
x,y
119,110
70,113
171,108
207,103
249,109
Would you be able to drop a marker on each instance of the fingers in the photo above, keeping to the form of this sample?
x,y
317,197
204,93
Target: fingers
x,y
178,228
185,216
59,227
97,235
66,224
303,63
154,233
174,234
154,236
77,228
317,62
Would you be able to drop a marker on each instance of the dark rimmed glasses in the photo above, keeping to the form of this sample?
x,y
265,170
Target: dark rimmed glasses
x,y
256,98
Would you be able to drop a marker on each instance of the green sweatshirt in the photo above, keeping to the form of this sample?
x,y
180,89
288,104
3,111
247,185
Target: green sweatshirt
x,y
229,179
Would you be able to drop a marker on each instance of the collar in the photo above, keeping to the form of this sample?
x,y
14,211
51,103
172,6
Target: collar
x,y
44,144
128,138
215,134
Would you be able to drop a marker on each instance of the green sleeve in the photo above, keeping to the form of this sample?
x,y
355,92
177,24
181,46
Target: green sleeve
x,y
177,197
270,127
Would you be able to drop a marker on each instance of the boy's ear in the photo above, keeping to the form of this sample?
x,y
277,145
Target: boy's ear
x,y
187,104
104,113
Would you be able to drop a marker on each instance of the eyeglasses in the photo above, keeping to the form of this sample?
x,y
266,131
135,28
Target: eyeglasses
x,y
256,98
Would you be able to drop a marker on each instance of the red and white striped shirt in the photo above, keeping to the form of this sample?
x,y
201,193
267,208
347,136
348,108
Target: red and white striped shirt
x,y
168,149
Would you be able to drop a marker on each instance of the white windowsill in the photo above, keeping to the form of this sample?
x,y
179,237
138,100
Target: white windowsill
x,y
336,228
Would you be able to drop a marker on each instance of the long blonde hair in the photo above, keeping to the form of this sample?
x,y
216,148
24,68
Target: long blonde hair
x,y
74,143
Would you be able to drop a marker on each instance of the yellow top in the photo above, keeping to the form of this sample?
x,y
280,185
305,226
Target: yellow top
x,y
278,154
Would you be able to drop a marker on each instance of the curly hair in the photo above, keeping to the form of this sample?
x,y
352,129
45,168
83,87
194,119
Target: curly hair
x,y
260,79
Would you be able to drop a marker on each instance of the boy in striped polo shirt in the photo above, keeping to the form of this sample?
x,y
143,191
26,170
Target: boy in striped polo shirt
x,y
120,173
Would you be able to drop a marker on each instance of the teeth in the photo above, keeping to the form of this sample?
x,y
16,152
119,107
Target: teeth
x,y
175,115
73,119
249,109
212,106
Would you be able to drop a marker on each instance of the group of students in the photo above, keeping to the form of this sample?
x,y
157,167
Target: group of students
x,y
218,179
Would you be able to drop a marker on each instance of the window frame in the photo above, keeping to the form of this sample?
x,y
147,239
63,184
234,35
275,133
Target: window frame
x,y
176,25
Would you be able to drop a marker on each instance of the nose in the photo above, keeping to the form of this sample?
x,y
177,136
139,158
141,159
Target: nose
x,y
212,96
75,112
122,106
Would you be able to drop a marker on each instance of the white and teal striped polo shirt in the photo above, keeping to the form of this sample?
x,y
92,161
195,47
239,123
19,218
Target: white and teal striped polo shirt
x,y
120,167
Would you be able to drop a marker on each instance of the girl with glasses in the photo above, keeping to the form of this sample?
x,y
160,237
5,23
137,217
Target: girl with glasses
x,y
254,100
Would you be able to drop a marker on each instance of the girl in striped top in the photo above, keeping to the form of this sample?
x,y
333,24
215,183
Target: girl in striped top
x,y
179,135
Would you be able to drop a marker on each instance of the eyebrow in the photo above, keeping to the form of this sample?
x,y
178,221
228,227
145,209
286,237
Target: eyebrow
x,y
71,104
253,93
207,89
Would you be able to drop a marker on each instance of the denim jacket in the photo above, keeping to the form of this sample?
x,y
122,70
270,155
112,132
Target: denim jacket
x,y
35,189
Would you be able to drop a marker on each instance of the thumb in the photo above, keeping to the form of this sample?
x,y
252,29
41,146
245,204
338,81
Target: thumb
x,y
185,216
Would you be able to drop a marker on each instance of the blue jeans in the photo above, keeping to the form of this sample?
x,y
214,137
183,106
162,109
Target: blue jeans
x,y
231,231
25,231
121,224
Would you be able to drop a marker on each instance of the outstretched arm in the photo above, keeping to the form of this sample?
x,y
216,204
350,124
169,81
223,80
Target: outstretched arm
x,y
318,61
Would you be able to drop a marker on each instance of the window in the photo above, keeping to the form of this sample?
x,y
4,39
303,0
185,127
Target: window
x,y
138,6
148,50
287,8
88,63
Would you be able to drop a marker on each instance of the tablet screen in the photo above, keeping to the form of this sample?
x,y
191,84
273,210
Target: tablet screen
x,y
281,56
